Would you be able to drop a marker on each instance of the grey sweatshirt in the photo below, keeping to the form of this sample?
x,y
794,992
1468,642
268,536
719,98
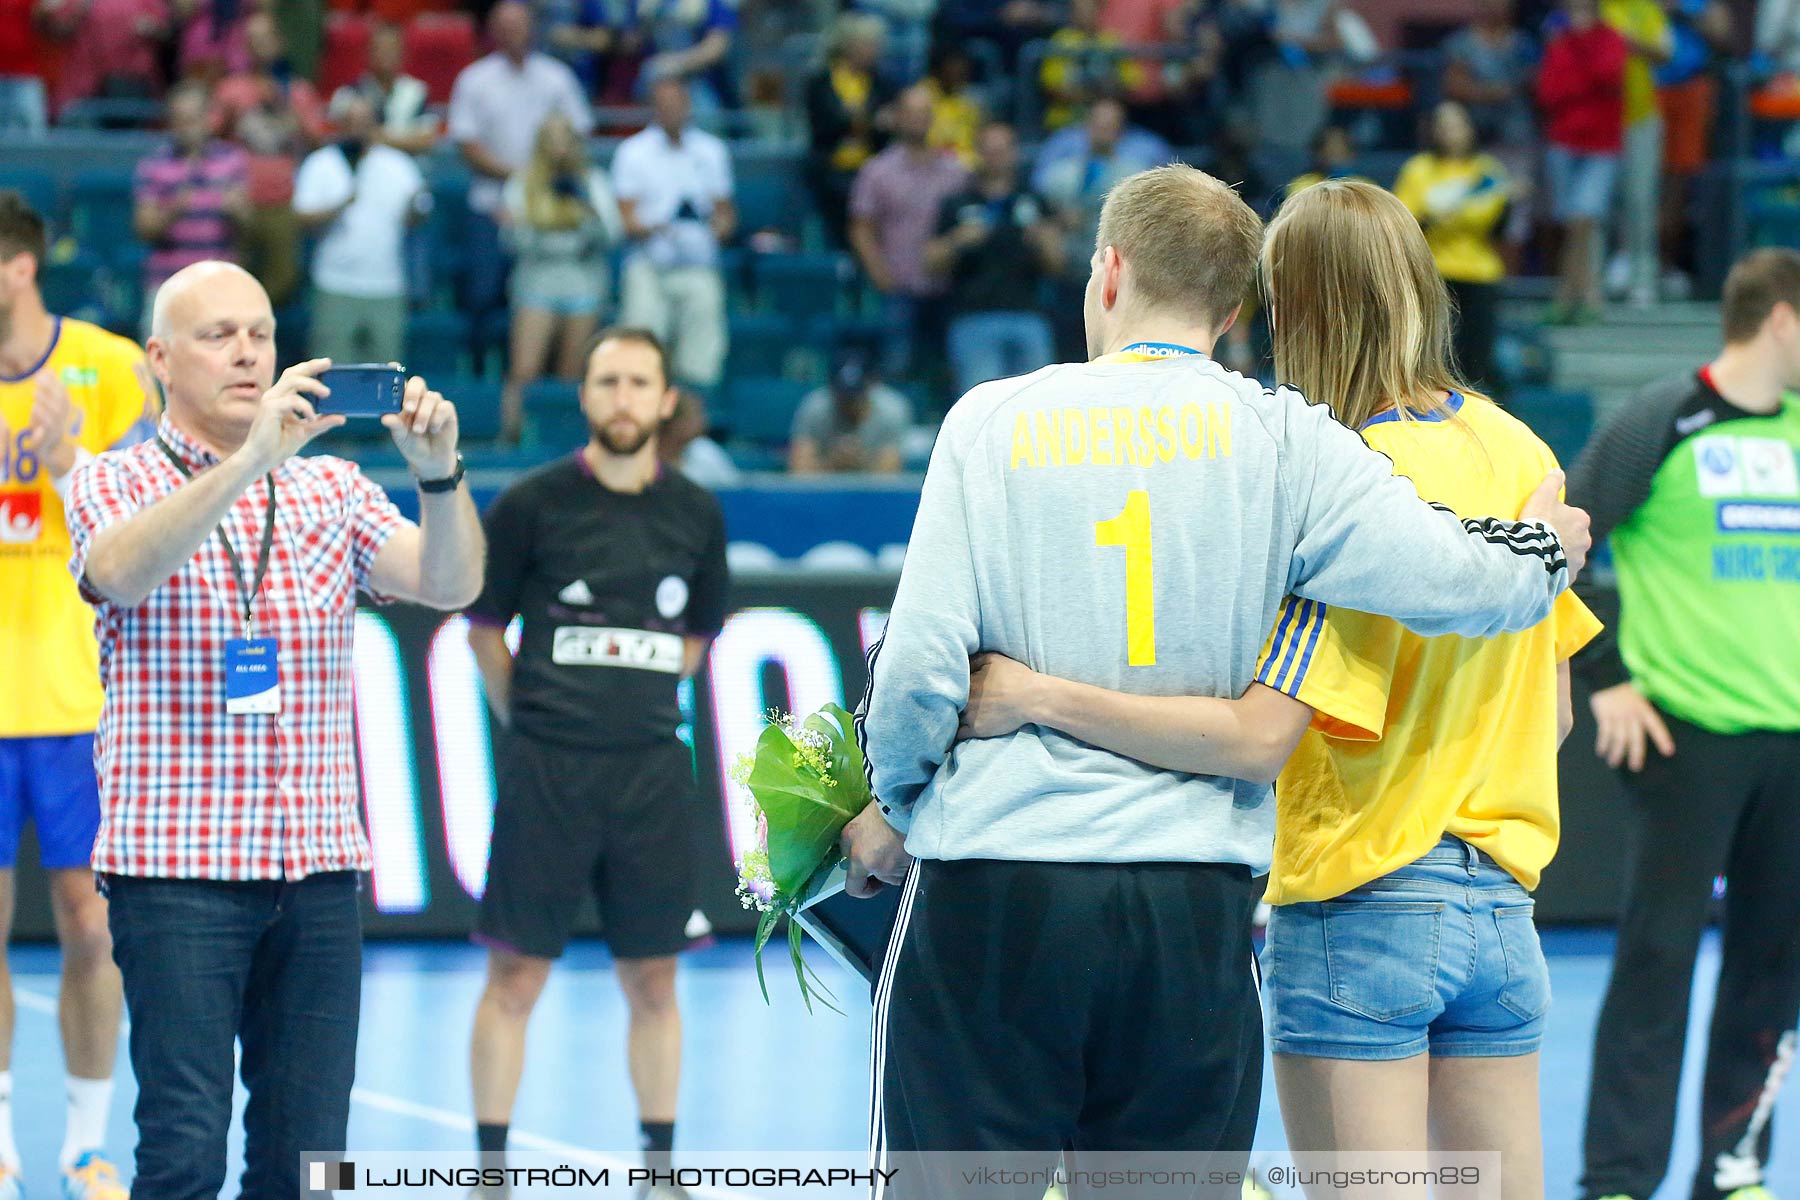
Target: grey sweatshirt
x,y
1136,525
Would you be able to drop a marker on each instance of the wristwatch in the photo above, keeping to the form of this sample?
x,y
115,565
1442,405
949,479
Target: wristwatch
x,y
448,483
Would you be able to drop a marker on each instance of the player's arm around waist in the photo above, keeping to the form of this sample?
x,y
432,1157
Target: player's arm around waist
x,y
1248,738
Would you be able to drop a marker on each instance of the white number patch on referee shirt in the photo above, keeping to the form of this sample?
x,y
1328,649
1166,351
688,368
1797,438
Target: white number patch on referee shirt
x,y
582,646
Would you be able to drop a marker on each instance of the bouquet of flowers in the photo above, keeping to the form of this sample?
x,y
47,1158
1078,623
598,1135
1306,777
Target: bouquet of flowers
x,y
806,782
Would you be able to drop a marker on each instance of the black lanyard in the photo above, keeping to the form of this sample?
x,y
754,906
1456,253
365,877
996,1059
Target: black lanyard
x,y
247,591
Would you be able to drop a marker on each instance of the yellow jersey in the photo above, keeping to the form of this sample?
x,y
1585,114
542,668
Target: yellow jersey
x,y
1459,203
1071,59
1416,737
49,662
955,120
1639,21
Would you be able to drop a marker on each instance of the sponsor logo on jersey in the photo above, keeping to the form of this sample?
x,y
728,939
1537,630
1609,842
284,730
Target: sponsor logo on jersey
x,y
81,376
577,646
1746,517
672,597
1716,463
21,516
1769,467
576,593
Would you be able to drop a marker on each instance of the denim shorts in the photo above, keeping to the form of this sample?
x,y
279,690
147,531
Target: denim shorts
x,y
1581,184
1440,955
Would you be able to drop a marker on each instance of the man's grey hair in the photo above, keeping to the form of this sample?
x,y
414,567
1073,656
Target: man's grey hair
x,y
173,287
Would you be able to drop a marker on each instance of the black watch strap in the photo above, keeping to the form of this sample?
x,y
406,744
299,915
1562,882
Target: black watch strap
x,y
449,483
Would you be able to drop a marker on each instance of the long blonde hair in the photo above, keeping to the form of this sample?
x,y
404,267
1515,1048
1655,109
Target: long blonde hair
x,y
1361,316
545,207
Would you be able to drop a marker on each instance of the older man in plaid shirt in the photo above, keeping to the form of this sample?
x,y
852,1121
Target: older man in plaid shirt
x,y
224,572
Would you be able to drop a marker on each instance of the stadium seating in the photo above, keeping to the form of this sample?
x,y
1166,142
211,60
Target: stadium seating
x,y
38,187
551,395
760,408
438,46
770,194
346,54
68,284
436,343
477,403
1563,419
99,209
763,343
558,428
803,287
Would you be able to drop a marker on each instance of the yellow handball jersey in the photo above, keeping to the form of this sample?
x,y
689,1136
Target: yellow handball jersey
x,y
49,663
1414,737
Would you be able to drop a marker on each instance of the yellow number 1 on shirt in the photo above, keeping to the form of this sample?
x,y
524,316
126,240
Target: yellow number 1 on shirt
x,y
1131,529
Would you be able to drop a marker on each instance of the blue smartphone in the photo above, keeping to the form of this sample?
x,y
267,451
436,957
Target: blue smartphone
x,y
362,390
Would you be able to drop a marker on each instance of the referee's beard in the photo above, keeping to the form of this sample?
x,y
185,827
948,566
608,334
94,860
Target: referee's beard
x,y
622,436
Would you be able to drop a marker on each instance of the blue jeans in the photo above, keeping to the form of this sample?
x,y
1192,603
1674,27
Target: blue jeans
x,y
1439,955
205,964
998,345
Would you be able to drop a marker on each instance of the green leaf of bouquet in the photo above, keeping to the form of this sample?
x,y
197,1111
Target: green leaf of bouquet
x,y
764,927
805,817
838,727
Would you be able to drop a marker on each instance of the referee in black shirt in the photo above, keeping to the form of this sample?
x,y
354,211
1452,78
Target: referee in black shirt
x,y
617,566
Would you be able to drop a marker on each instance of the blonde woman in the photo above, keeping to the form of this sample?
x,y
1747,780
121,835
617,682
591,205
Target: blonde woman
x,y
1406,986
562,223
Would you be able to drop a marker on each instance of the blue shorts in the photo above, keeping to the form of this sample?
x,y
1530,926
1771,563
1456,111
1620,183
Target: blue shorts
x,y
51,780
1581,184
1440,955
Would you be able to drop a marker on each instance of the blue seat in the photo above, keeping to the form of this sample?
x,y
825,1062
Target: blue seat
x,y
100,215
802,287
436,344
477,403
553,395
39,189
770,194
556,429
760,408
441,233
761,343
1563,419
68,285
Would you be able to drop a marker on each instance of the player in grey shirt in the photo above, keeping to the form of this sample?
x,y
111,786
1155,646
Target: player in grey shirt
x,y
1071,965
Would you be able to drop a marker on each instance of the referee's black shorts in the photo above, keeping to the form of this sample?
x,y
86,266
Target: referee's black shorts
x,y
621,822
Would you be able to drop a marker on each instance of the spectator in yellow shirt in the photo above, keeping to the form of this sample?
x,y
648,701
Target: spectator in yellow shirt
x,y
1645,27
1083,64
1459,194
956,112
1333,154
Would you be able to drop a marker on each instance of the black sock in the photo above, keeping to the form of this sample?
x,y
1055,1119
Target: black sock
x,y
491,1139
658,1140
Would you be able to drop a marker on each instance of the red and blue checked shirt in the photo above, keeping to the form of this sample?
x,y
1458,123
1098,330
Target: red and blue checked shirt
x,y
186,790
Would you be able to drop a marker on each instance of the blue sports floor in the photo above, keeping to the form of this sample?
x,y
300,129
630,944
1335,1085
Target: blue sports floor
x,y
412,1082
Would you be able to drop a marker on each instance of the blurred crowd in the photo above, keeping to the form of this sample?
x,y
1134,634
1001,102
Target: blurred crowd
x,y
956,155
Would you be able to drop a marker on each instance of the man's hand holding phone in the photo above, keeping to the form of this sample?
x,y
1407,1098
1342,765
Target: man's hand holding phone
x,y
286,416
425,431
